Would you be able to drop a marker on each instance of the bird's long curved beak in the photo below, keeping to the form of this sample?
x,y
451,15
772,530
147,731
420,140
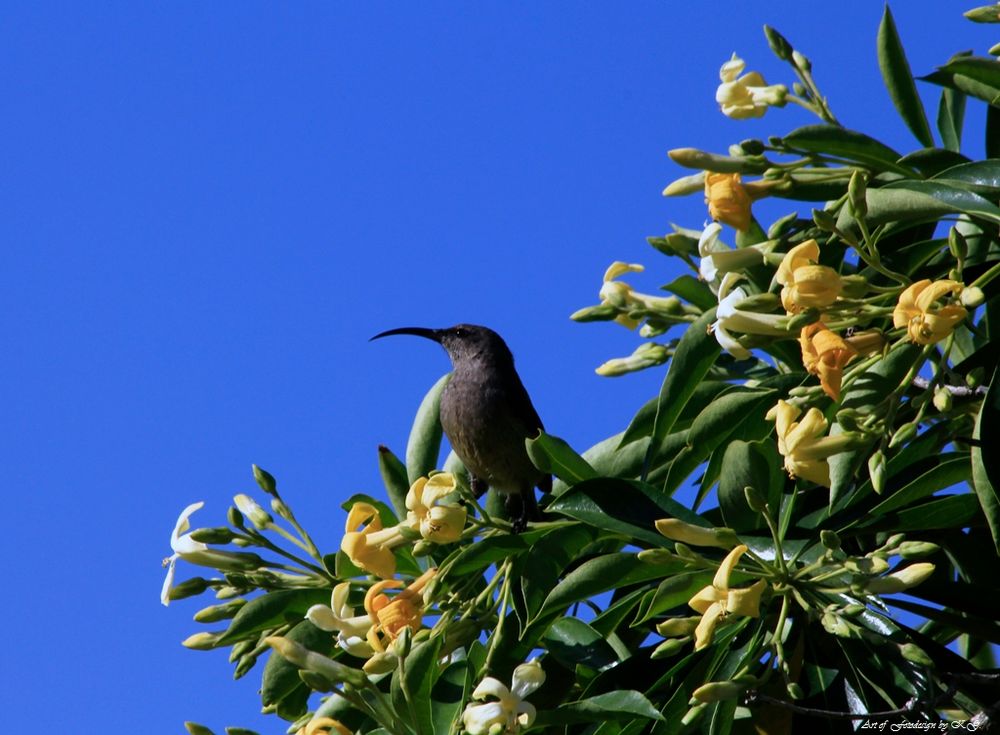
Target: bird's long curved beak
x,y
431,334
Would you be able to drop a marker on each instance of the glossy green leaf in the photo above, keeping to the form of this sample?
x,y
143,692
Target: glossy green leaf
x,y
271,610
899,80
620,506
553,455
424,444
983,69
941,477
851,145
951,118
982,177
280,675
415,678
694,356
912,201
742,466
673,592
966,84
572,642
616,705
985,465
945,512
932,161
450,694
693,291
484,552
394,477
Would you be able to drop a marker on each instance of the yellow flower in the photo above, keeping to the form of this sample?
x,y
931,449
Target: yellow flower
x,y
742,97
323,726
371,547
352,630
925,323
825,353
432,508
901,580
391,615
807,285
677,530
621,296
717,600
804,444
728,200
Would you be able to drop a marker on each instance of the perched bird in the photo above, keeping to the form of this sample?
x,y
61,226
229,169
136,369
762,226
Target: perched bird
x,y
486,414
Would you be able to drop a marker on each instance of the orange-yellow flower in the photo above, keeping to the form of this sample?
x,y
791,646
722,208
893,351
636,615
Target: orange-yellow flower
x,y
806,284
370,547
804,444
926,323
728,200
717,600
391,615
323,726
742,97
433,509
825,353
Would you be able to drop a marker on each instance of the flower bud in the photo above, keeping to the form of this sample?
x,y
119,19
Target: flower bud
x,y
704,161
803,319
202,641
971,297
280,509
685,552
194,728
243,666
215,535
693,714
265,480
214,613
316,682
240,649
942,399
903,434
824,220
854,286
249,508
188,588
852,610
901,580
677,530
917,549
234,517
716,691
227,592
778,43
381,663
656,556
856,195
669,647
835,625
876,471
675,627
686,185
957,244
800,60
599,313
829,539
983,14
763,302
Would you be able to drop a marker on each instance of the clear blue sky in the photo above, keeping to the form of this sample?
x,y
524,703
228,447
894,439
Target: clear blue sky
x,y
208,208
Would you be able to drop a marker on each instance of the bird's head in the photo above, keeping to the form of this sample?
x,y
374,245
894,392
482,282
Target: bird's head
x,y
464,343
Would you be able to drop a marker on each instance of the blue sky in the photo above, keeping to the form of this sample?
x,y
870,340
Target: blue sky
x,y
208,208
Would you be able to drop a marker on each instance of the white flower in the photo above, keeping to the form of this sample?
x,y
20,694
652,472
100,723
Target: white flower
x,y
182,543
352,630
717,258
729,316
509,713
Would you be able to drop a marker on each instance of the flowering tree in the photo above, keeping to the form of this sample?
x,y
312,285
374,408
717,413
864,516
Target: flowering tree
x,y
832,384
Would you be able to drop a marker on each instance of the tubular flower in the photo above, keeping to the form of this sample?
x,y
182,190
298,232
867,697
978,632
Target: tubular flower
x,y
807,285
901,580
391,615
729,316
926,323
323,726
717,258
433,510
352,630
742,97
509,713
804,444
621,296
728,200
371,547
717,600
645,355
181,543
825,353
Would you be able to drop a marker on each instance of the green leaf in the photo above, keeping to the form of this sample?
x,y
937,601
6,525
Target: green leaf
x,y
616,705
843,143
394,477
966,84
280,675
626,507
694,356
271,610
981,177
415,677
984,70
912,201
951,117
673,592
899,80
743,465
940,477
951,511
553,455
985,467
692,290
424,444
572,642
194,728
449,695
484,552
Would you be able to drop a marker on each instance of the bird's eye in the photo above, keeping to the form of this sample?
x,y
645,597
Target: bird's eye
x,y
461,333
